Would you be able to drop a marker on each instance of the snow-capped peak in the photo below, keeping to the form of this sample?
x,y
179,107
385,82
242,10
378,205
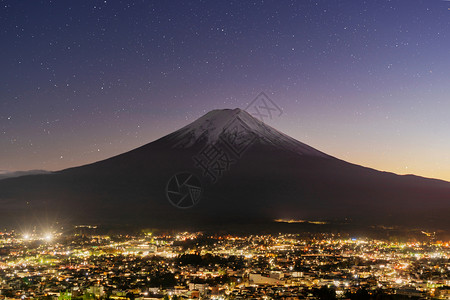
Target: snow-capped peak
x,y
220,122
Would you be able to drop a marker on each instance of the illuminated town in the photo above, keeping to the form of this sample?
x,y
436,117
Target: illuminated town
x,y
185,265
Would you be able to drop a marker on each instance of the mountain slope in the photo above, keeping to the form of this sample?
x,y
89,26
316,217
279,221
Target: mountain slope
x,y
222,122
6,174
264,175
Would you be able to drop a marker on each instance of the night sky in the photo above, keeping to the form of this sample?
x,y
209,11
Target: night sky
x,y
365,81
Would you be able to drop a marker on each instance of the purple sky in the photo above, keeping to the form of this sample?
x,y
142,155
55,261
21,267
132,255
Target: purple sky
x,y
365,81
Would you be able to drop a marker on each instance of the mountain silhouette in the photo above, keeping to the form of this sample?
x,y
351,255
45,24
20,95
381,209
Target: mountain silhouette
x,y
226,167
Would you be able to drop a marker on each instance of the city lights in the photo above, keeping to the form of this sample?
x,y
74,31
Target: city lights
x,y
48,237
225,267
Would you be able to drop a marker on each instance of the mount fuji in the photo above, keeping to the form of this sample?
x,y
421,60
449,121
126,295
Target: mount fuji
x,y
226,167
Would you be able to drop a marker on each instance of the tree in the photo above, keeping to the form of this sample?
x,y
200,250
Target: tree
x,y
325,293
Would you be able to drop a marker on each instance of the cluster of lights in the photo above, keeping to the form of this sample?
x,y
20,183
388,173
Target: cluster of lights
x,y
46,237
